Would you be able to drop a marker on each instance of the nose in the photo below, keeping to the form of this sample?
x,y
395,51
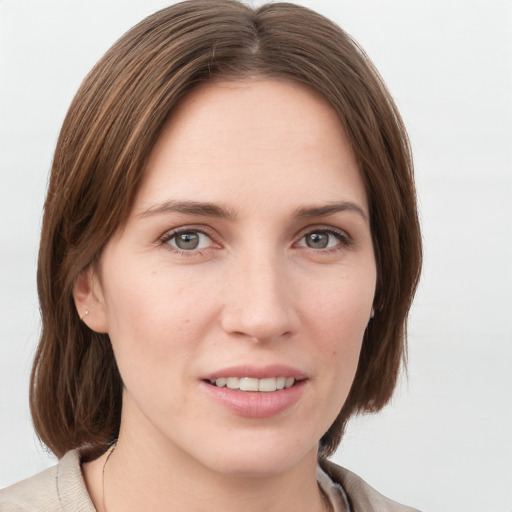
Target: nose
x,y
259,300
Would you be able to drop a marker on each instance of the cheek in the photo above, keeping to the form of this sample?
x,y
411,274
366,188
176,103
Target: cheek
x,y
342,310
339,319
335,345
156,322
340,345
149,303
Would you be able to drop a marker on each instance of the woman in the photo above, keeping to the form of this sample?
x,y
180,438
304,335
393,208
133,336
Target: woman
x,y
229,251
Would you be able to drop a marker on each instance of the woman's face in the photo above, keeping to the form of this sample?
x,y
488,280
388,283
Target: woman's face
x,y
246,263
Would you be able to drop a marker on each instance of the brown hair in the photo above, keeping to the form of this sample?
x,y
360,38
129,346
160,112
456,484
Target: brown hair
x,y
109,132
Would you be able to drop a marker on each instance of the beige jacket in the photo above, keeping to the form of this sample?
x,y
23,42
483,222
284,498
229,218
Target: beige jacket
x,y
61,488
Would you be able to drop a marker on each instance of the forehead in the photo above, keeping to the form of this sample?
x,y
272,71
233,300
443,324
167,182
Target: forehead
x,y
227,137
253,112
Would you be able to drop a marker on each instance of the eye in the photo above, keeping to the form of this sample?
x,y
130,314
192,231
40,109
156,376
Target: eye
x,y
189,240
323,239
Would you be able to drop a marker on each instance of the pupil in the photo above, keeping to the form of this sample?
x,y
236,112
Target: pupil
x,y
317,240
187,241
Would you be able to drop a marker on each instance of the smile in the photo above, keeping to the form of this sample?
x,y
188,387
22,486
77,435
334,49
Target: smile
x,y
266,385
254,398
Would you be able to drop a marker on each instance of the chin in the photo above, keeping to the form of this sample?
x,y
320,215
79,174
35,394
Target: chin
x,y
262,457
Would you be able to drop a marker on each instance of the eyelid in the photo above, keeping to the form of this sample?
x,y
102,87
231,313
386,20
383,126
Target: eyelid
x,y
174,232
345,239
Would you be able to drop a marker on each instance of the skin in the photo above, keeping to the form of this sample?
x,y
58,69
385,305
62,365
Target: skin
x,y
254,292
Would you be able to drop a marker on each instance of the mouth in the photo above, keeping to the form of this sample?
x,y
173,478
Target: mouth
x,y
256,392
265,385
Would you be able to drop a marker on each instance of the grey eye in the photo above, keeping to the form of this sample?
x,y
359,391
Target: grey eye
x,y
317,240
323,239
189,240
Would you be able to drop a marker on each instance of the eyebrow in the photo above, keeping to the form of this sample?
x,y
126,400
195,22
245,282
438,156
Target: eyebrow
x,y
189,208
206,209
329,209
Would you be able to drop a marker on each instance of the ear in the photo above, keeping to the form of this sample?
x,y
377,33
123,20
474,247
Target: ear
x,y
89,301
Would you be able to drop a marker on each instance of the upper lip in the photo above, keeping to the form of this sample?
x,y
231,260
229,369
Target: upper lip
x,y
257,372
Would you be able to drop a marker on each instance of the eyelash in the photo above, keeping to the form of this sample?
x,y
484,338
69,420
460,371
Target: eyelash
x,y
345,241
170,235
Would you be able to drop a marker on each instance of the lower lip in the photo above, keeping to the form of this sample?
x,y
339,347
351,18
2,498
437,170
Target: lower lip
x,y
251,404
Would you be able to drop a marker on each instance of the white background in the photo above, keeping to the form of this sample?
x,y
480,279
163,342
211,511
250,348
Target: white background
x,y
445,442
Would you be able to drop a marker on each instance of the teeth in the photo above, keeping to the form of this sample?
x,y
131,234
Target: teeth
x,y
247,384
221,382
266,385
232,383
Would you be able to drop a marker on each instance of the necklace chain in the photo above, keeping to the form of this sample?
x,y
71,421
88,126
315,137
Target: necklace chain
x,y
103,477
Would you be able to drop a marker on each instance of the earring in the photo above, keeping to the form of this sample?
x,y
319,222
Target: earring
x,y
84,315
372,313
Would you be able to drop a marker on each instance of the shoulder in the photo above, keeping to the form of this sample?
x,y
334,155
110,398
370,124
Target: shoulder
x,y
362,496
59,488
36,493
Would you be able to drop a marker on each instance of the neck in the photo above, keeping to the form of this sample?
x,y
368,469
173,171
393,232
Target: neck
x,y
147,480
144,473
